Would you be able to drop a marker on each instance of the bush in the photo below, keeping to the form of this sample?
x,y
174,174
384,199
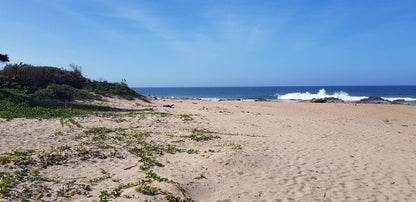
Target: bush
x,y
113,89
53,83
64,93
43,76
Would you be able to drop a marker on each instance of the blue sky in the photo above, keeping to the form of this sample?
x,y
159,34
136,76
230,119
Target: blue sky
x,y
217,43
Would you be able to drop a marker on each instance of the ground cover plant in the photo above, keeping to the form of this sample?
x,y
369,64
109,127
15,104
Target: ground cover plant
x,y
22,178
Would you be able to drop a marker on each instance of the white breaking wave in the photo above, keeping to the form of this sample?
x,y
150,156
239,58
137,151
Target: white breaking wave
x,y
322,94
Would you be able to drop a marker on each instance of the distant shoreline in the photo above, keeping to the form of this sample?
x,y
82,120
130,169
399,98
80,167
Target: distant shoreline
x,y
367,100
286,94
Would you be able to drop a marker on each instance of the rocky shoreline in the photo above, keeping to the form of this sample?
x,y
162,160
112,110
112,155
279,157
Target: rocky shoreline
x,y
368,100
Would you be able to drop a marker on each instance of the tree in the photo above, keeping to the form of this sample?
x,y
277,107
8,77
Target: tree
x,y
4,58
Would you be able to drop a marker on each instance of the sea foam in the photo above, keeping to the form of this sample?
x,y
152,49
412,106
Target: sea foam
x,y
322,94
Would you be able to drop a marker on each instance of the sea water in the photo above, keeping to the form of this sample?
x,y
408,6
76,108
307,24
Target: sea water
x,y
284,93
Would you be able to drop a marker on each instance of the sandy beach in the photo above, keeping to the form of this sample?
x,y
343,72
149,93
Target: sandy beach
x,y
221,151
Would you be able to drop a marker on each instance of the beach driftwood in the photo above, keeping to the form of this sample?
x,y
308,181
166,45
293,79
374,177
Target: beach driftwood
x,y
170,105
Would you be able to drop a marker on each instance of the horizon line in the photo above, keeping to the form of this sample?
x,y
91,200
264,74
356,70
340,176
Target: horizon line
x,y
273,86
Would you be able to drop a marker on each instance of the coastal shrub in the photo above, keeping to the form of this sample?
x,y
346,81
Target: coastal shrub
x,y
64,93
113,89
14,96
42,76
44,92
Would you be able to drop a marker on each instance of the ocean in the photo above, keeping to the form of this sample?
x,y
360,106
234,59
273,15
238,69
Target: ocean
x,y
284,93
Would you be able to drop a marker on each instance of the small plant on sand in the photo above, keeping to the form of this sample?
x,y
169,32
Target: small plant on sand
x,y
172,149
236,146
151,175
64,148
98,130
17,157
117,191
103,196
100,137
185,117
149,162
70,123
51,158
99,179
199,137
85,153
140,135
192,151
120,120
7,182
172,198
147,190
138,152
59,133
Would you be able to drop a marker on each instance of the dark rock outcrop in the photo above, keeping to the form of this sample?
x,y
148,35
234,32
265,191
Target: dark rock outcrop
x,y
404,102
326,100
374,100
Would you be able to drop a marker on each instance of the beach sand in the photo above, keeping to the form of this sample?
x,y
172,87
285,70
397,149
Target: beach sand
x,y
253,151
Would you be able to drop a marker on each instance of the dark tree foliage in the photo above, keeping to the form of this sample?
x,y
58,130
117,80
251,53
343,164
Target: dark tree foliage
x,y
43,76
51,83
4,58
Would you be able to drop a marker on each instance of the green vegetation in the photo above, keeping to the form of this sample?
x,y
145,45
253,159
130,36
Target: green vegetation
x,y
64,93
104,196
46,92
199,136
4,58
192,151
172,198
236,146
147,190
185,117
70,123
98,130
25,180
113,89
10,110
16,156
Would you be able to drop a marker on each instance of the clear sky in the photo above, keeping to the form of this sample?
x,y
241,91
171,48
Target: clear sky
x,y
217,43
